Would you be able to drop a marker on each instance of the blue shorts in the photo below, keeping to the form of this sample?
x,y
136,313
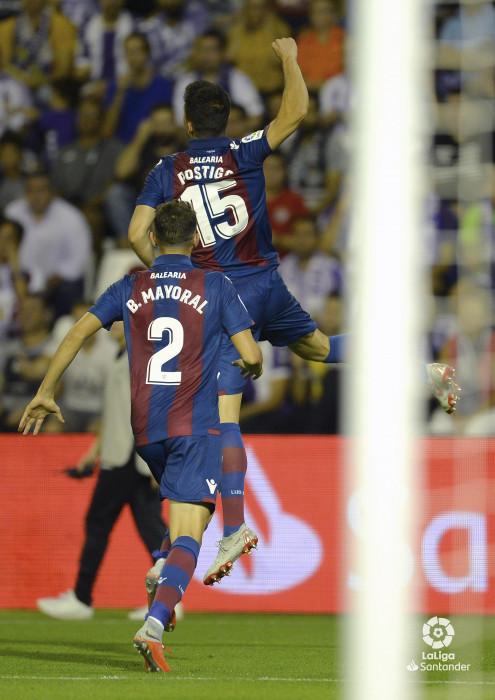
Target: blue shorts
x,y
278,316
188,469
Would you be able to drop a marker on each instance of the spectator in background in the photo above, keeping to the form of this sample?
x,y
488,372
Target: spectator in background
x,y
78,11
309,162
250,44
284,205
309,274
238,124
264,407
83,171
13,287
171,31
208,61
335,100
15,101
82,387
11,180
25,361
319,385
131,99
155,138
55,249
101,55
56,119
321,46
469,36
38,45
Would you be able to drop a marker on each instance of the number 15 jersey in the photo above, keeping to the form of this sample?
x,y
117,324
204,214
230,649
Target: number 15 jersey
x,y
174,318
223,180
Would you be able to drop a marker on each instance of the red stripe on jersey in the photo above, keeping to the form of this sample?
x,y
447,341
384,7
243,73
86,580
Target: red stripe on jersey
x,y
246,244
180,415
141,351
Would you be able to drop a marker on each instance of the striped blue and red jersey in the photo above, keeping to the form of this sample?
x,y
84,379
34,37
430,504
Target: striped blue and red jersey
x,y
174,317
223,180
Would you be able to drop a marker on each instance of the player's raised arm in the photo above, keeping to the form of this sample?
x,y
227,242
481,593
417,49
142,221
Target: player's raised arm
x,y
251,362
294,104
44,403
139,227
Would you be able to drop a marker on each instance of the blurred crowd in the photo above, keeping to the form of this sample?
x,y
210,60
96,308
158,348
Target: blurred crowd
x,y
91,97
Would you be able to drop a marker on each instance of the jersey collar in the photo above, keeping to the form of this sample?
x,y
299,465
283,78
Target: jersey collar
x,y
173,259
206,144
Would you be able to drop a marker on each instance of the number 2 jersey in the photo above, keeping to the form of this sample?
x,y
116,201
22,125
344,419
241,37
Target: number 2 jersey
x,y
174,317
223,180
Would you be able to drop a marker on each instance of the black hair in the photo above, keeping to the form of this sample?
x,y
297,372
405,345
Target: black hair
x,y
11,138
18,228
142,38
215,34
207,107
174,223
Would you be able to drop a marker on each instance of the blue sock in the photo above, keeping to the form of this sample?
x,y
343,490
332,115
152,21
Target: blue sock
x,y
174,579
234,465
338,348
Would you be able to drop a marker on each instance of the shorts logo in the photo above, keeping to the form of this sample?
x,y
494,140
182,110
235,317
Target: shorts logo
x,y
438,632
212,484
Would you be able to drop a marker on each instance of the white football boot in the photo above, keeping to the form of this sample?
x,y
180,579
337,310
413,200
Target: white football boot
x,y
230,548
65,607
441,378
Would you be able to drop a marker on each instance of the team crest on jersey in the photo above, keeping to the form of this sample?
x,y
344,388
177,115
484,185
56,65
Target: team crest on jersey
x,y
252,137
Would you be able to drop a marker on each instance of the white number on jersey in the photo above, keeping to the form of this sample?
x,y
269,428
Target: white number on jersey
x,y
175,331
209,205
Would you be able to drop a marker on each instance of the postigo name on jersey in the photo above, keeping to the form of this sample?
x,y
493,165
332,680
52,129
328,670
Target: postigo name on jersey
x,y
203,170
168,291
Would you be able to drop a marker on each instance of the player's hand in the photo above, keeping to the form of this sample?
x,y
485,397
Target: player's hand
x,y
35,413
248,370
285,48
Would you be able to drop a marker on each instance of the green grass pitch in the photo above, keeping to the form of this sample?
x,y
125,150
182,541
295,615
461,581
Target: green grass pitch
x,y
241,657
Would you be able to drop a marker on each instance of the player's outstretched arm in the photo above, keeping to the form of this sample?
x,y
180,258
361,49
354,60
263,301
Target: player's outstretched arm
x,y
251,362
44,403
294,106
139,227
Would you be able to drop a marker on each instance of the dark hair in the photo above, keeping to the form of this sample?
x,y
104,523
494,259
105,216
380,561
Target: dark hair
x,y
39,174
207,107
215,34
11,138
18,228
142,38
174,223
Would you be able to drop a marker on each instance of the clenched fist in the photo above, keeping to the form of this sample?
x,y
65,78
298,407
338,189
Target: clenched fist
x,y
285,48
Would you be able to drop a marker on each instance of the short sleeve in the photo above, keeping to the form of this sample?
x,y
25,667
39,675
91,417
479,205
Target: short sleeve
x,y
254,148
154,192
108,308
235,316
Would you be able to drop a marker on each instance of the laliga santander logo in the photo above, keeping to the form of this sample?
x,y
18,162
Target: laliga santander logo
x,y
290,554
438,632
